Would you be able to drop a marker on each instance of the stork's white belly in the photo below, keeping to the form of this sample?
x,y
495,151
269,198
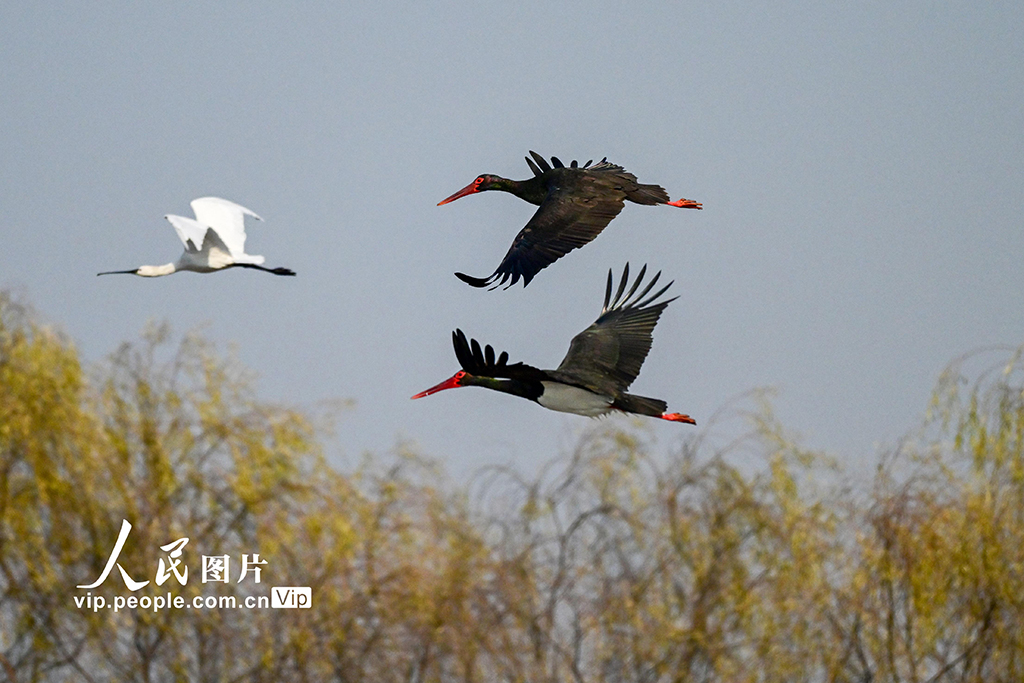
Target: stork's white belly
x,y
569,399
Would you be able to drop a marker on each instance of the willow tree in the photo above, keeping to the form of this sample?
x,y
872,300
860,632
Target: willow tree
x,y
939,592
624,560
170,440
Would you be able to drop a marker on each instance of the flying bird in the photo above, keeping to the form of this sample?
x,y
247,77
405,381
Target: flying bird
x,y
215,240
603,360
576,203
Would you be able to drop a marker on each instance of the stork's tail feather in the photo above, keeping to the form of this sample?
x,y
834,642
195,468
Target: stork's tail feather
x,y
641,405
647,194
652,407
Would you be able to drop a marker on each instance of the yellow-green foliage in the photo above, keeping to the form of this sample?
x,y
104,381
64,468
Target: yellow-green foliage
x,y
622,561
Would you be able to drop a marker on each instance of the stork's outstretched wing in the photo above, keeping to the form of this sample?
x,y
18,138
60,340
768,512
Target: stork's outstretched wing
x,y
481,362
581,202
607,356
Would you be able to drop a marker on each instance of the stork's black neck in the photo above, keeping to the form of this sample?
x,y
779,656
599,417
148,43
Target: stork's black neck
x,y
517,387
533,190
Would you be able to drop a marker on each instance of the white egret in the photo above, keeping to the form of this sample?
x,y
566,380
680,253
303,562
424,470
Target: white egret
x,y
213,241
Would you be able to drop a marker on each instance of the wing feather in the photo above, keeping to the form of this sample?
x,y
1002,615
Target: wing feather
x,y
227,219
540,161
578,207
608,355
190,232
533,167
481,362
581,202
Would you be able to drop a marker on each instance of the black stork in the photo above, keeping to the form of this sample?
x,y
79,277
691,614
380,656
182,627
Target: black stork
x,y
603,360
576,203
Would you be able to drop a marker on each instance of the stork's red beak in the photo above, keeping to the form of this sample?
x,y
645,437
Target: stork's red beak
x,y
450,383
468,189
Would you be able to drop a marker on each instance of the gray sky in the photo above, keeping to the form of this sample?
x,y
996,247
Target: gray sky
x,y
860,165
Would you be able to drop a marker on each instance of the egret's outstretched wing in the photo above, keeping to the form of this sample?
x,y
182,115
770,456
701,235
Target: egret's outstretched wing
x,y
227,219
190,232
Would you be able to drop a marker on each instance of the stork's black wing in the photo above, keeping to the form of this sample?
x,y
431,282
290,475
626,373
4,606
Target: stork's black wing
x,y
481,362
539,166
580,202
607,356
